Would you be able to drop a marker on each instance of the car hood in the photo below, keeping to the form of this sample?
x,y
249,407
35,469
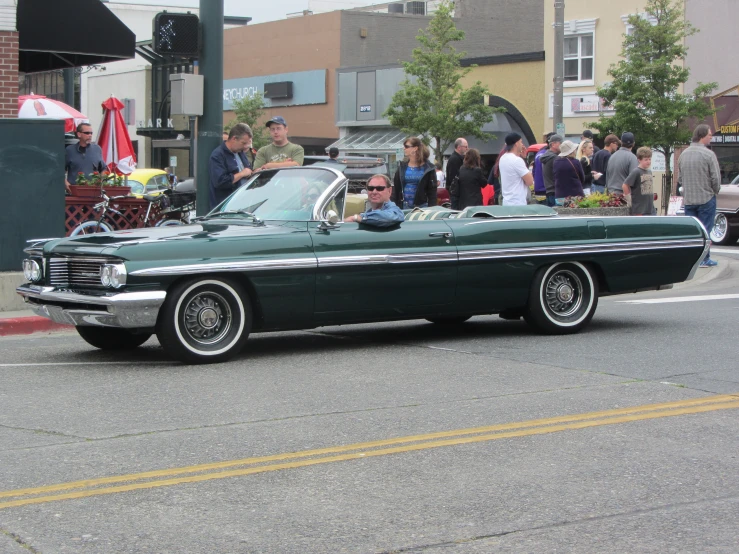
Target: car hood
x,y
172,241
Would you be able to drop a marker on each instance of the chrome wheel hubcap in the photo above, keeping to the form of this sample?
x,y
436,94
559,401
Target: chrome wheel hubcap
x,y
720,227
207,318
563,293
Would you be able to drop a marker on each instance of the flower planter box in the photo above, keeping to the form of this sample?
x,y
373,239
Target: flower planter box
x,y
84,191
592,212
87,191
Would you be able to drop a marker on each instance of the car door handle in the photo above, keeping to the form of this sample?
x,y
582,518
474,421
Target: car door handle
x,y
444,234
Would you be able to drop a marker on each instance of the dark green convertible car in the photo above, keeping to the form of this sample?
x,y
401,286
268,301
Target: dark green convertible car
x,y
274,256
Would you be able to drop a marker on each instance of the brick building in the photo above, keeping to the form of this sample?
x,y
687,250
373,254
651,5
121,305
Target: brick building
x,y
8,60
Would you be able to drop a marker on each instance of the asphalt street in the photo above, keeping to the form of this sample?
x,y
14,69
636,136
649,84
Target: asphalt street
x,y
396,437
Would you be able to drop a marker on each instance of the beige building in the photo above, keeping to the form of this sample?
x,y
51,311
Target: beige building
x,y
593,38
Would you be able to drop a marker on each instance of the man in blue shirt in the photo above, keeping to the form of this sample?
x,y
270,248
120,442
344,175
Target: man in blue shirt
x,y
383,212
228,166
83,157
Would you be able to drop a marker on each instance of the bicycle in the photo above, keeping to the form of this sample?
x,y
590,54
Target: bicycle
x,y
104,223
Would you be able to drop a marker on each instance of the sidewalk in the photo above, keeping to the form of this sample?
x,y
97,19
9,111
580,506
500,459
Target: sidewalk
x,y
25,322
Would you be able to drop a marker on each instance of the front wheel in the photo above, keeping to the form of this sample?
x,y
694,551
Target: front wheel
x,y
721,232
563,298
90,227
112,338
205,320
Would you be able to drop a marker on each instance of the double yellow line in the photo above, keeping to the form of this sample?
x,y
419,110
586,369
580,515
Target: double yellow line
x,y
262,464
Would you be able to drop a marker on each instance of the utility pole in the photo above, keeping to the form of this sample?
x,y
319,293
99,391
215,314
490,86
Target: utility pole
x,y
559,66
210,124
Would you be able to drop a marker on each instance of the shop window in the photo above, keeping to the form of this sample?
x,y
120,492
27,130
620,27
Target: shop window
x,y
728,161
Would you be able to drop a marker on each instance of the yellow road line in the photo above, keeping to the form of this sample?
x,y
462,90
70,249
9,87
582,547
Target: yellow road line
x,y
423,442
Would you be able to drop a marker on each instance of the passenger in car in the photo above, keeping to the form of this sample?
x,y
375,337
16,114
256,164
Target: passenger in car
x,y
383,212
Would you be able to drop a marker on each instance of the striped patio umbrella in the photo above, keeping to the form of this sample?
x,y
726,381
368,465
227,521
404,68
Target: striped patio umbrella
x,y
114,140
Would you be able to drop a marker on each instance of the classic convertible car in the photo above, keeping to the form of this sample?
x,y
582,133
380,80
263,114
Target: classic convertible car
x,y
275,256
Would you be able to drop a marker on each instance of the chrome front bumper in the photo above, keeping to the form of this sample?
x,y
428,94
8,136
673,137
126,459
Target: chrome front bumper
x,y
130,310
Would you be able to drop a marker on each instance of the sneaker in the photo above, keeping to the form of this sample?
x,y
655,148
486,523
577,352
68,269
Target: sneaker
x,y
708,263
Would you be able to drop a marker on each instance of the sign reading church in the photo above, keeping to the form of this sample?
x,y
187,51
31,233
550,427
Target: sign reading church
x,y
283,89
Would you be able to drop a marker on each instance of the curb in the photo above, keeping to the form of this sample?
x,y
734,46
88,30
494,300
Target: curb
x,y
30,324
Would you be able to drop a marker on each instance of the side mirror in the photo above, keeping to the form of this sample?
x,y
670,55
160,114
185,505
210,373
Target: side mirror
x,y
331,221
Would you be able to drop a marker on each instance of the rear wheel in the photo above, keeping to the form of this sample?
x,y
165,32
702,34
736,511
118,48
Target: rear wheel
x,y
205,320
112,338
90,227
563,298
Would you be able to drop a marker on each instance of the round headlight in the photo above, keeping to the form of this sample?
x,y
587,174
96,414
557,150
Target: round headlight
x,y
105,275
115,276
31,270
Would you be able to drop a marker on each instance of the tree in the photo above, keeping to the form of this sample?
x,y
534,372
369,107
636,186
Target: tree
x,y
431,100
645,91
250,110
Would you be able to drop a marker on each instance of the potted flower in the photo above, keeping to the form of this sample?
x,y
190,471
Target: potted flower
x,y
595,204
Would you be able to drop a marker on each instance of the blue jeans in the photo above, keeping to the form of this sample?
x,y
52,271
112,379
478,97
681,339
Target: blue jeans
x,y
597,188
705,213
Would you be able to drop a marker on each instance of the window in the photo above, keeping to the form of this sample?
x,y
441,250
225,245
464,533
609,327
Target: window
x,y
578,55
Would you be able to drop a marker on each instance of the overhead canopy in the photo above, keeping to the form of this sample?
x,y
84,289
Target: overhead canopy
x,y
378,140
500,126
56,34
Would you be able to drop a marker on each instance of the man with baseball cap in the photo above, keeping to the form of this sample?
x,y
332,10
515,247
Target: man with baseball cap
x,y
547,166
621,163
600,163
281,153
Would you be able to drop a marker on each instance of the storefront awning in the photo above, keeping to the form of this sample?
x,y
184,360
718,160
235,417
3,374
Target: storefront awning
x,y
500,126
371,141
54,34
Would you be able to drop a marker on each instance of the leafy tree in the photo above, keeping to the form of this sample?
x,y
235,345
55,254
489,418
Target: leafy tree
x,y
250,110
431,100
645,91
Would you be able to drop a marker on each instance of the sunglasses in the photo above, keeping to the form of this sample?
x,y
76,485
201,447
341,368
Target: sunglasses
x,y
85,132
379,188
408,146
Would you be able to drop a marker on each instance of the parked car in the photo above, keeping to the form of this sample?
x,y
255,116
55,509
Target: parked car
x,y
358,169
275,256
725,228
148,181
726,224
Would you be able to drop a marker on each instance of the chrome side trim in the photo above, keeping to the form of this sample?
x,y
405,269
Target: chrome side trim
x,y
373,259
694,269
599,248
129,310
253,265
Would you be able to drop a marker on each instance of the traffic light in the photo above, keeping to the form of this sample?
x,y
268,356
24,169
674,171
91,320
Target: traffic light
x,y
176,34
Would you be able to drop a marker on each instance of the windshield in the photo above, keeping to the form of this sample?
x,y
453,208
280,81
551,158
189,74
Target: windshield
x,y
287,194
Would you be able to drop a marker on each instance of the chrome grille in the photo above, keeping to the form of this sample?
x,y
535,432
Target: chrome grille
x,y
80,271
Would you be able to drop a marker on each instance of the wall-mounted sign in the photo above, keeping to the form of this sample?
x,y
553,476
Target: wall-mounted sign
x,y
305,87
155,124
366,108
580,105
726,139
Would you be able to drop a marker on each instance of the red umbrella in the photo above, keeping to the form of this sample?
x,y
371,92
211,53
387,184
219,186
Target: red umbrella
x,y
35,106
114,140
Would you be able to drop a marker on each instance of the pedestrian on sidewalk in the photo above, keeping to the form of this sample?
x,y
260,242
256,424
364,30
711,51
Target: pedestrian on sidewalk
x,y
700,178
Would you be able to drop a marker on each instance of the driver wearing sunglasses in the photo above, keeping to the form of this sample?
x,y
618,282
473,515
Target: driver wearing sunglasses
x,y
383,212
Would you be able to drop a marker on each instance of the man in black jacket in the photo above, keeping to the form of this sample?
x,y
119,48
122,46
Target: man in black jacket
x,y
547,166
454,163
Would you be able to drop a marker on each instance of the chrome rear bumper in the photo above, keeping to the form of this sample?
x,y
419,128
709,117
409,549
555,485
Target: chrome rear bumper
x,y
129,310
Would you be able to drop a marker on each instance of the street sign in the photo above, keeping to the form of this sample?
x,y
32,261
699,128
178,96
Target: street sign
x,y
173,161
560,129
